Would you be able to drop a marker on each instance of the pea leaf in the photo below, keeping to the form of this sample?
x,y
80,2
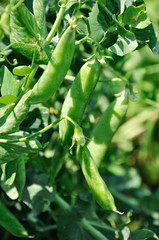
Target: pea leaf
x,y
8,99
21,70
98,24
8,177
8,82
11,223
126,42
147,36
136,17
25,35
39,13
122,5
38,117
69,228
143,234
11,151
38,197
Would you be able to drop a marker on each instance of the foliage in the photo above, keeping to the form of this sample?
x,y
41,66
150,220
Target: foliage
x,y
44,194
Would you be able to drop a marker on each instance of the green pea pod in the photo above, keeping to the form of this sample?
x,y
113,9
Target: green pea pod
x,y
11,223
16,116
56,69
106,127
77,99
96,184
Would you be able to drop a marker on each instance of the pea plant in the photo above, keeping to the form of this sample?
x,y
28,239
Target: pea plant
x,y
64,96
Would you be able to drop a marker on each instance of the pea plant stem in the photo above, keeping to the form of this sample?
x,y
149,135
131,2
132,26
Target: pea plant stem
x,y
85,224
28,79
57,22
33,135
93,231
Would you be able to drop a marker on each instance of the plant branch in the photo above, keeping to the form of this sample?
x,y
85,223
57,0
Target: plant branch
x,y
33,135
85,224
57,22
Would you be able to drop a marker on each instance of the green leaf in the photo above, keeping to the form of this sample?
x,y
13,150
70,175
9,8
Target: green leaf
x,y
11,223
84,204
126,42
122,5
11,151
20,176
8,82
125,233
143,234
8,99
69,228
39,13
8,177
38,117
25,35
147,36
136,17
21,70
156,49
38,197
98,24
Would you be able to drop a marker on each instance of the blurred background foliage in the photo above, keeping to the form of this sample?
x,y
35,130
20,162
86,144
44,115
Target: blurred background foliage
x,y
131,165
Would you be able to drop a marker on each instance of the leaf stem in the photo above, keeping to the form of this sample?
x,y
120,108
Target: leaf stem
x,y
93,231
85,224
57,22
33,135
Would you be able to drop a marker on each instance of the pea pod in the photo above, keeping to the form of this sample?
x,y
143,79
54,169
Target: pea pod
x,y
16,116
96,184
77,98
106,127
11,223
56,69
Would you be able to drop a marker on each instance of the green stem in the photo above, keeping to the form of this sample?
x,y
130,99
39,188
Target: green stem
x,y
93,231
85,224
33,135
70,120
61,202
57,22
28,80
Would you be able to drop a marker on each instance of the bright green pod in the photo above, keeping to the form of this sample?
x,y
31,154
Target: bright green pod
x,y
106,127
17,115
11,223
95,182
77,99
56,69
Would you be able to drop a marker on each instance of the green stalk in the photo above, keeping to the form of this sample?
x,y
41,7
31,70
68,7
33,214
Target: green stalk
x,y
85,224
93,231
57,22
28,80
33,135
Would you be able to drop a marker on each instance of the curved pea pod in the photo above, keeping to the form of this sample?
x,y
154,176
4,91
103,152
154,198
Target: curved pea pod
x,y
77,99
11,223
95,182
56,69
106,127
16,116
